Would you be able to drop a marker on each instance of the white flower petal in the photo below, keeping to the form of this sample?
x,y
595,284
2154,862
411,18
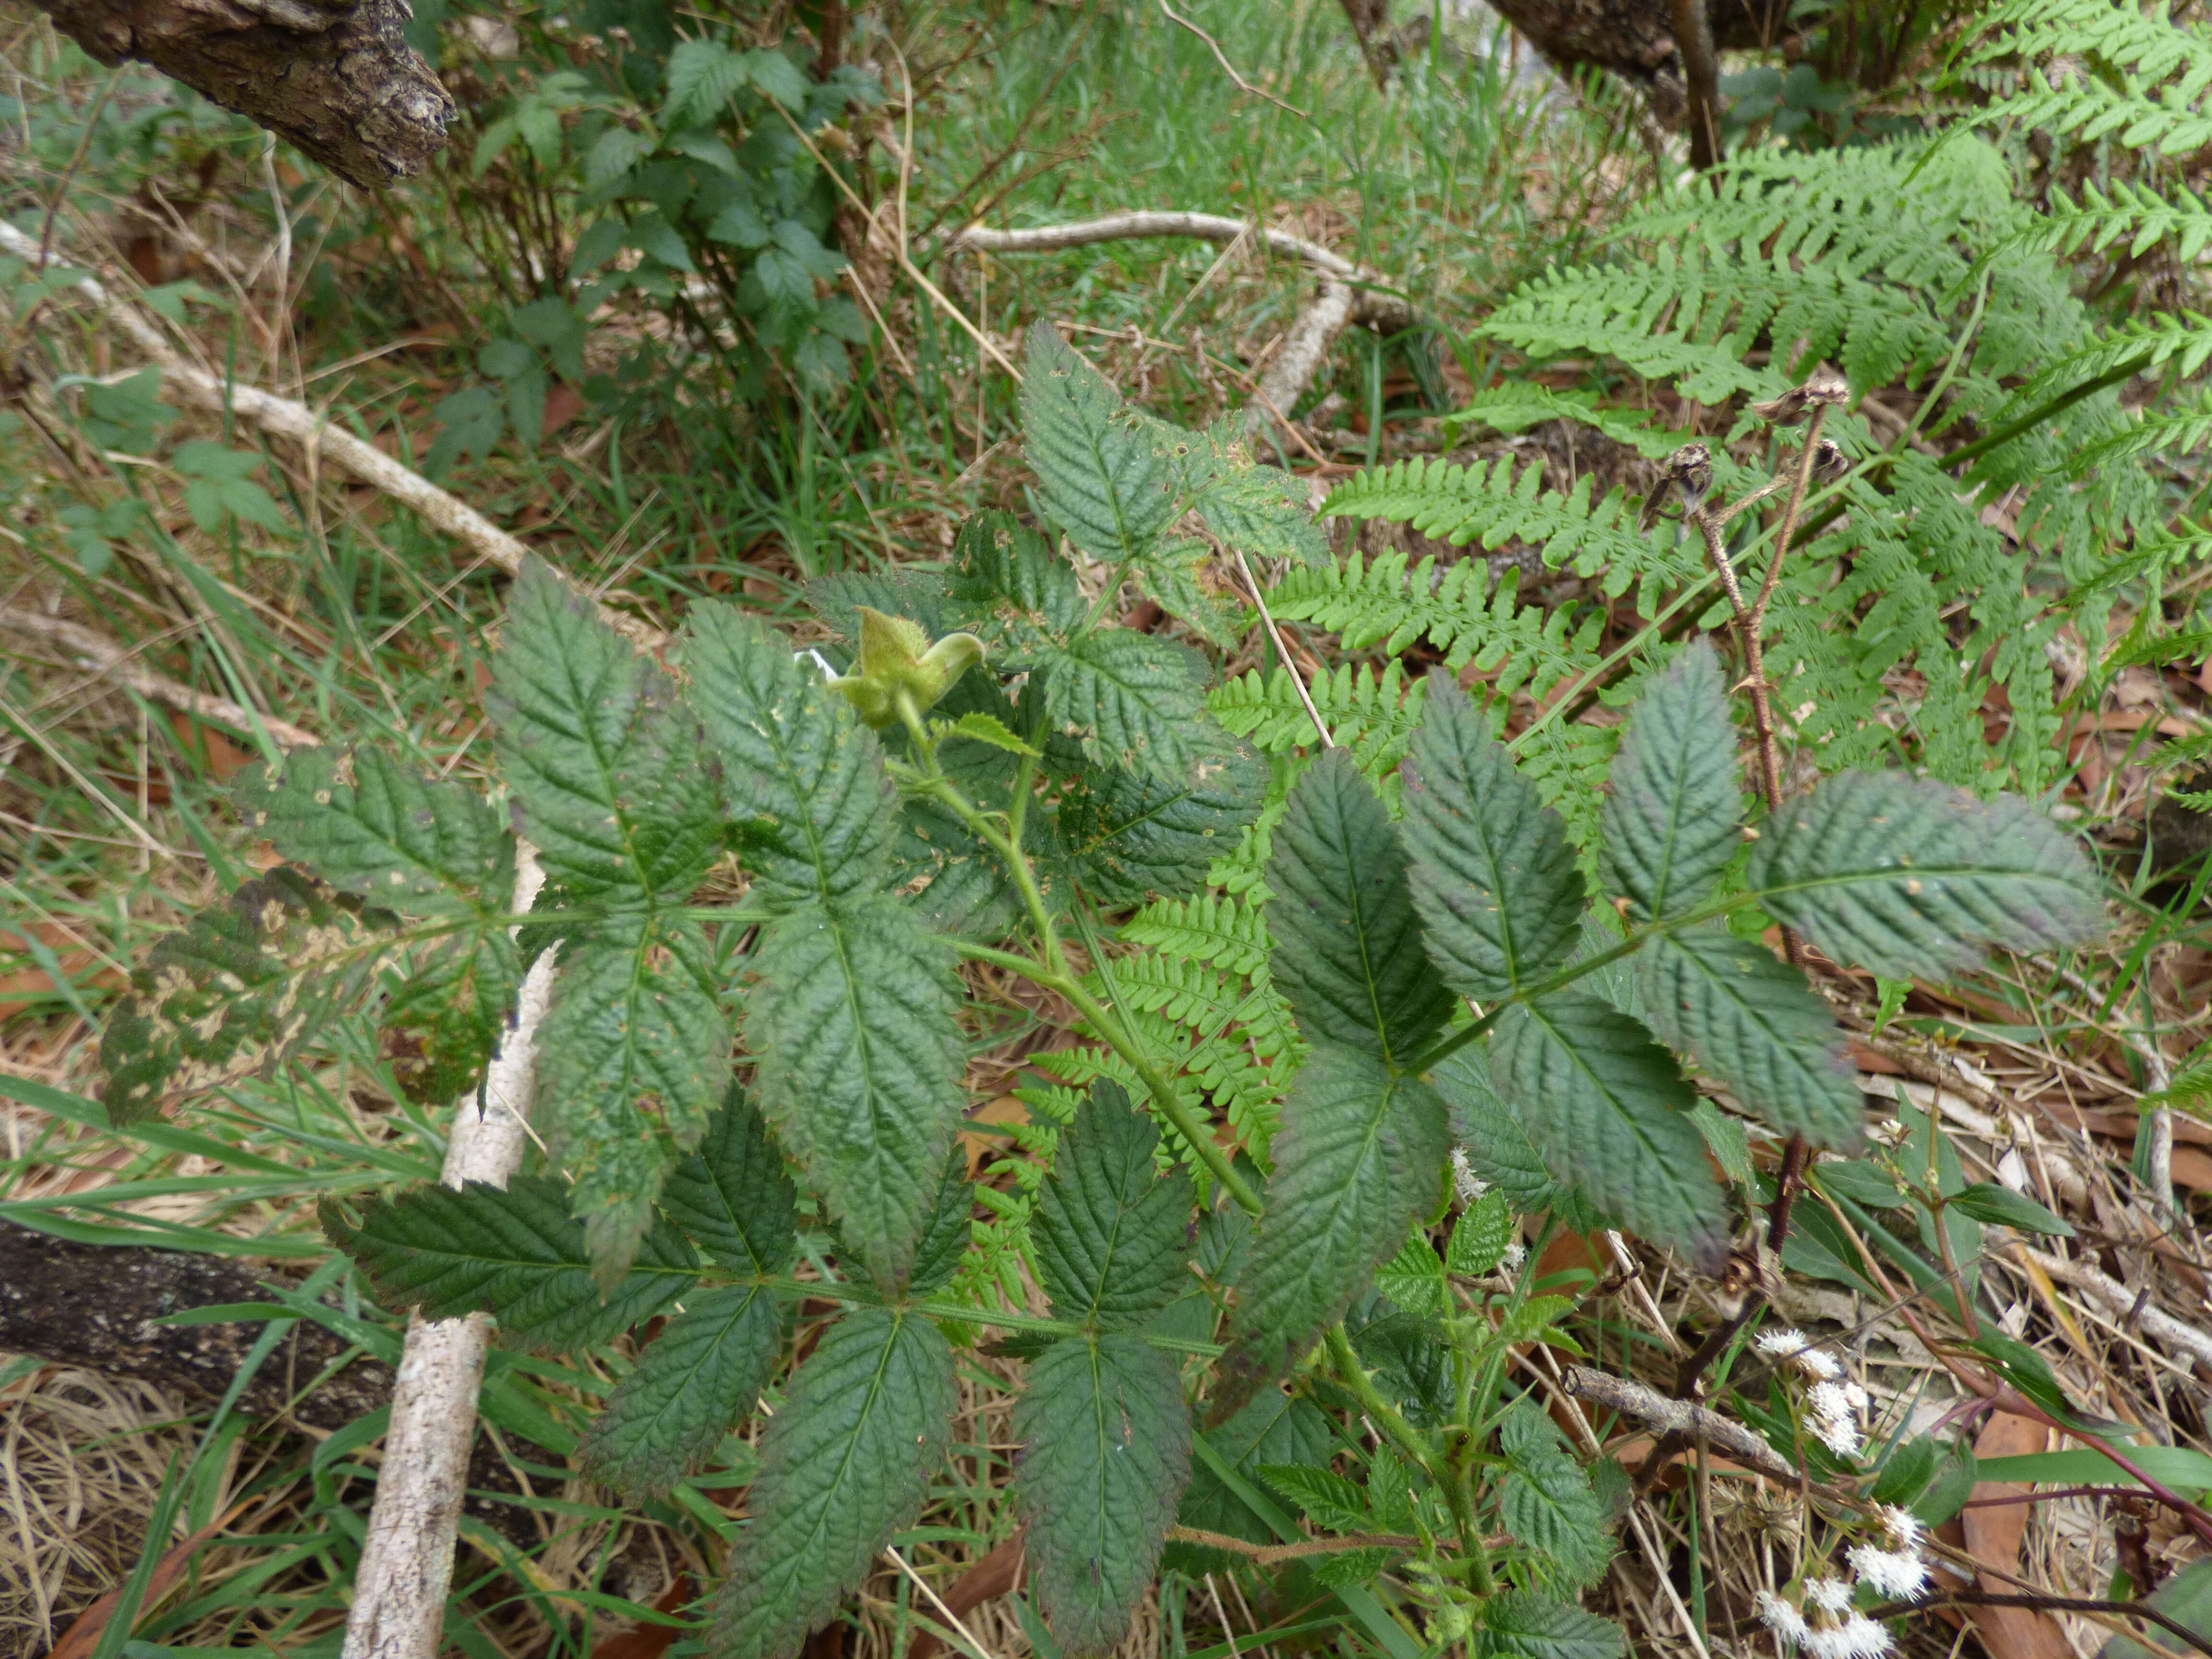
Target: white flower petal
x,y
1829,1594
1891,1573
1783,1619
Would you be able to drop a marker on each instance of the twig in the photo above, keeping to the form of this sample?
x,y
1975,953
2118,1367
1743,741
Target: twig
x,y
1269,1555
1282,653
2181,1337
1304,351
407,1559
1222,58
106,658
1701,80
1639,1400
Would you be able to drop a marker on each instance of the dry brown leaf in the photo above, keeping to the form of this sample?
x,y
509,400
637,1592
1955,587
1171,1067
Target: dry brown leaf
x,y
1994,1535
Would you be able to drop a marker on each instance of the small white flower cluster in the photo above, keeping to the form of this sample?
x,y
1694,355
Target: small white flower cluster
x,y
1516,1254
1834,1400
1471,1186
1828,1625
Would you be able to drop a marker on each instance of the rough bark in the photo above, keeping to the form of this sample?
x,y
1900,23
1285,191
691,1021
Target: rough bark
x,y
1635,39
338,80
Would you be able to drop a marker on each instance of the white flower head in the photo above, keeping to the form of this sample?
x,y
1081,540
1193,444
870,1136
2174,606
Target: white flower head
x,y
1900,1526
1795,1348
1832,1402
1781,1342
1516,1254
1829,1594
1471,1186
1855,1393
1858,1637
1783,1619
1838,1434
1895,1574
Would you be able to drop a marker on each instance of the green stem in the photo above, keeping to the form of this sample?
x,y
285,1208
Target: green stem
x,y
1344,1361
2035,417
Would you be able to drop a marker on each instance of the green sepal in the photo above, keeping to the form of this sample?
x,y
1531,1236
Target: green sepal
x,y
898,660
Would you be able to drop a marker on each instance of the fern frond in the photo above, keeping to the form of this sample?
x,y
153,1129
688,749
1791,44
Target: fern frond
x,y
1643,315
1204,929
2144,41
2171,120
1371,712
2179,341
2173,432
2126,209
1519,405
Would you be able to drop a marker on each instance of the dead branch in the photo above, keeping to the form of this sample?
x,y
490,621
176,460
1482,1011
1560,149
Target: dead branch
x,y
1304,351
1633,1398
335,77
2128,1304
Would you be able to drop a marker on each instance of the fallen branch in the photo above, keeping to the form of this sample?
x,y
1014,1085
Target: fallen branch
x,y
282,417
2130,1304
1633,1398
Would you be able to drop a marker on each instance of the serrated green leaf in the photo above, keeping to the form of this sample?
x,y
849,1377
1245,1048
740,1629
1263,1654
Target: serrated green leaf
x,y
1548,1504
368,825
1479,1236
1262,511
1111,1231
702,76
1753,1023
1600,1097
1494,876
1133,701
1103,473
692,1383
945,1238
1174,578
1010,574
860,1063
1909,877
1328,1498
602,757
1518,1626
1106,1441
1347,943
1499,1148
1276,1428
1415,1277
814,812
443,1022
633,1056
730,1196
982,728
1127,836
843,1465
1671,823
513,1252
238,991
1356,1159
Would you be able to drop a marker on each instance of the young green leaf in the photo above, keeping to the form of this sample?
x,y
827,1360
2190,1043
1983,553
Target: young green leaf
x,y
368,824
730,1196
691,1384
1415,1277
860,1066
513,1252
1105,472
1330,1500
635,1052
1347,954
814,812
1909,877
1479,1236
1600,1099
1358,1158
1670,824
982,728
1519,1625
237,992
1548,1504
1262,511
603,758
843,1465
1493,873
1109,1231
1753,1023
1133,701
1106,1440
1129,836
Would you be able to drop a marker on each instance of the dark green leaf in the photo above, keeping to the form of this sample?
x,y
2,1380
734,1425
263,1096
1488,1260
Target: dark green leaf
x,y
1105,472
1328,1498
806,779
1132,700
1754,1024
1128,837
1906,1473
1953,1484
843,1465
1410,1359
633,1057
1358,1157
1548,1503
731,1196
690,1385
514,1252
1498,1147
950,1228
1860,1182
1107,1451
861,1064
443,1022
603,758
368,825
1909,877
1347,954
1516,1626
1111,1232
1276,1428
1261,512
1009,572
238,991
1600,1099
1670,824
1987,1201
1494,875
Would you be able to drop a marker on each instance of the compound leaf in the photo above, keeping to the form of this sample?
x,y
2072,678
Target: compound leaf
x,y
1104,471
1499,1148
634,1054
1549,1505
861,1064
368,824
602,756
442,1023
1669,826
1600,1099
1518,1626
1011,574
1356,1160
1493,873
238,991
814,812
1907,876
1132,700
514,1252
700,1375
1260,511
1347,954
730,1196
1753,1023
843,1465
1111,1231
1128,837
1107,1452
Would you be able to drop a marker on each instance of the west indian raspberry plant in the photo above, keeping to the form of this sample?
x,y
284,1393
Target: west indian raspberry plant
x,y
1310,976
